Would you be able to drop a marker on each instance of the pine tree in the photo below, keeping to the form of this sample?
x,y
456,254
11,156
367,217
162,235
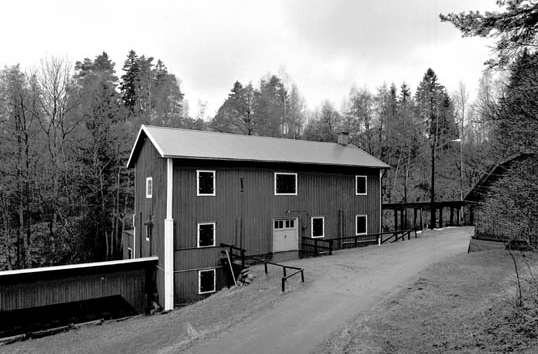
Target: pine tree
x,y
129,82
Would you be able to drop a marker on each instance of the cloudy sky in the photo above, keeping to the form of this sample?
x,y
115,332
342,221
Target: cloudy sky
x,y
324,46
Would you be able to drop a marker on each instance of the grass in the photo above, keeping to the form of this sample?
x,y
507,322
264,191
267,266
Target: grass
x,y
462,305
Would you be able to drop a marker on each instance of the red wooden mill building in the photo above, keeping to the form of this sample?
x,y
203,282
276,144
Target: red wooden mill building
x,y
195,190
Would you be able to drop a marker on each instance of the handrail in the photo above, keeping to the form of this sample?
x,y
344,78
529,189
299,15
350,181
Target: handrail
x,y
285,277
369,238
394,234
241,255
316,245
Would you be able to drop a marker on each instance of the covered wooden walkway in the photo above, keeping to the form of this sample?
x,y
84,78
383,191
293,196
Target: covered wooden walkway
x,y
417,215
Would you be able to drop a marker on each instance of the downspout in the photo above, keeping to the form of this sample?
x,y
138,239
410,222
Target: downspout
x,y
169,240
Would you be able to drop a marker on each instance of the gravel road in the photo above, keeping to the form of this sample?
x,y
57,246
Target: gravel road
x,y
346,284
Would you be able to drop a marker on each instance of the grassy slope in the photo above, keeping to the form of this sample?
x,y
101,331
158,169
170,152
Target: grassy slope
x,y
456,306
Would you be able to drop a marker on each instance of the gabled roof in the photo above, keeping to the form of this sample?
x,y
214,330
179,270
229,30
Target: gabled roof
x,y
196,144
481,188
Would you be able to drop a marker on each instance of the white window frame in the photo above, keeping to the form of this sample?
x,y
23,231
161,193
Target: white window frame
x,y
289,174
312,226
366,223
198,234
198,194
365,184
149,191
200,292
129,253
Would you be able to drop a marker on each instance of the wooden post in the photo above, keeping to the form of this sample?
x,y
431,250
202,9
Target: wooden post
x,y
316,246
265,265
440,217
458,216
403,222
284,271
451,216
302,275
421,218
414,218
395,219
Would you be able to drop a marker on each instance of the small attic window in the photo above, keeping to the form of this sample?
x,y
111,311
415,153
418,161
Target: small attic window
x,y
149,187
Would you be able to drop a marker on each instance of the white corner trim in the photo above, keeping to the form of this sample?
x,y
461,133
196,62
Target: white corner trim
x,y
169,240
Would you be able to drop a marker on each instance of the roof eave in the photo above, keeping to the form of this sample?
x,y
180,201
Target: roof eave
x,y
385,166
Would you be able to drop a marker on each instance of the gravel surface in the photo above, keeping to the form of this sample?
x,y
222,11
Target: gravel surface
x,y
258,318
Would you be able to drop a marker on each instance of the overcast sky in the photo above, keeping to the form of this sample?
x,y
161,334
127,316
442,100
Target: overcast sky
x,y
325,46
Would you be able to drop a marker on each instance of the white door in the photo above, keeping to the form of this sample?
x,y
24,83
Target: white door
x,y
285,235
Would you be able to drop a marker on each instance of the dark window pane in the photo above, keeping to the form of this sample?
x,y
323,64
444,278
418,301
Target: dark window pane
x,y
291,224
205,183
276,224
285,184
361,224
361,185
207,281
317,227
149,187
207,235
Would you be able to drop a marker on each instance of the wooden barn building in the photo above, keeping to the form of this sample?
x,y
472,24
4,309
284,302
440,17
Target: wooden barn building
x,y
196,189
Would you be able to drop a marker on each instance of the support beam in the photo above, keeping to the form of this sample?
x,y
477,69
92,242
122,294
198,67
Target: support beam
x,y
169,240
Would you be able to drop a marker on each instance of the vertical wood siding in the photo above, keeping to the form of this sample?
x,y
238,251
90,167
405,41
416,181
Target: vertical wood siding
x,y
150,164
321,191
57,287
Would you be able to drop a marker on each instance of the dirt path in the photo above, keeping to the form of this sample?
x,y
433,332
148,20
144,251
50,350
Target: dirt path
x,y
347,284
259,318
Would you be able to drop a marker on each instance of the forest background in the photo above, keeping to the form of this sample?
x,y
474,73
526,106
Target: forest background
x,y
66,131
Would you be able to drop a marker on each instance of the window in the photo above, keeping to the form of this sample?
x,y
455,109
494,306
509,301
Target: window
x,y
207,281
360,185
205,183
206,234
149,187
361,225
285,183
129,253
284,224
317,226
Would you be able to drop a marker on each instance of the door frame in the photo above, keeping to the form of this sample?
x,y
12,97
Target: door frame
x,y
296,228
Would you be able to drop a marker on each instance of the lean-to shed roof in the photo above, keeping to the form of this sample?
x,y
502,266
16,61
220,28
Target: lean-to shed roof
x,y
495,173
196,144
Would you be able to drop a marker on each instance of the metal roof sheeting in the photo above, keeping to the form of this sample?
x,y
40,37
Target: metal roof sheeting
x,y
196,144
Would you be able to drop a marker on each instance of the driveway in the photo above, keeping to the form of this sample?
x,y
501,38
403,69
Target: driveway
x,y
345,285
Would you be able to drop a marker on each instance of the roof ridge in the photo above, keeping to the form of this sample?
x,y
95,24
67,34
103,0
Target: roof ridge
x,y
243,135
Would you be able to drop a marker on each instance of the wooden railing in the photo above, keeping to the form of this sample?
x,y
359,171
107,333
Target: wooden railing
x,y
317,246
239,253
285,276
397,235
236,253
